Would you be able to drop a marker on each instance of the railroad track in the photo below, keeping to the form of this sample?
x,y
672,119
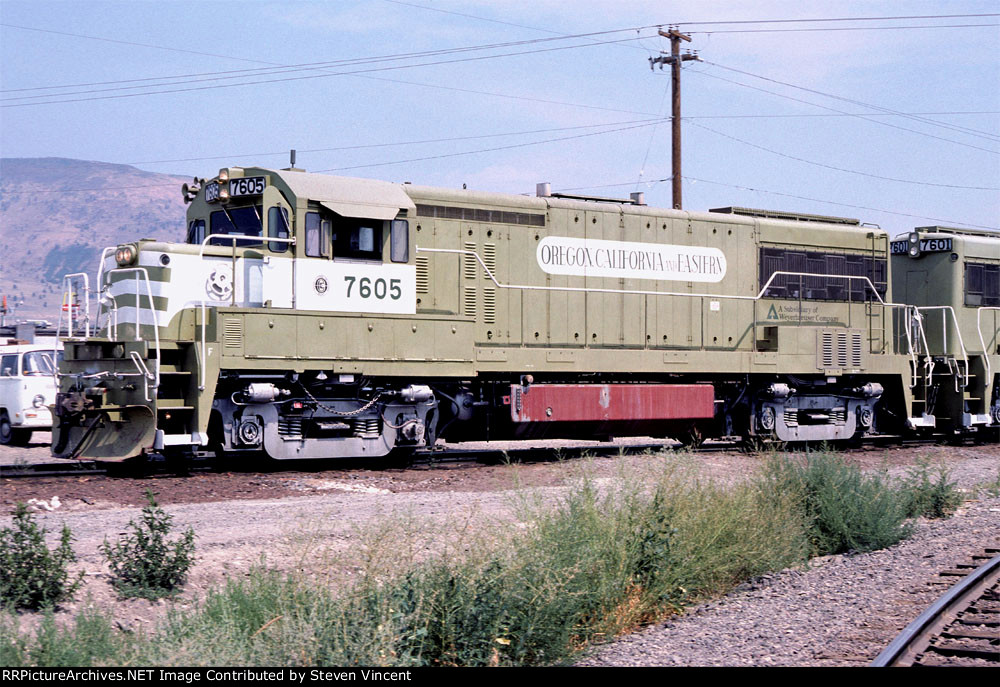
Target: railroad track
x,y
421,459
962,628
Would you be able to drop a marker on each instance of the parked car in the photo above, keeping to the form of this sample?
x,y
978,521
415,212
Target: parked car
x,y
27,386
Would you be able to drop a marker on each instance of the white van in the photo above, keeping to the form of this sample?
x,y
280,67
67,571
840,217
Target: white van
x,y
27,386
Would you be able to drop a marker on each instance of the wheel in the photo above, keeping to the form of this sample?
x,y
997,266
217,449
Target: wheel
x,y
10,436
690,436
6,430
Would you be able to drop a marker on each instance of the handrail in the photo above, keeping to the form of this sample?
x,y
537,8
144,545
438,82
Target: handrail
x,y
944,333
759,296
982,341
636,292
144,371
68,296
204,303
138,314
102,295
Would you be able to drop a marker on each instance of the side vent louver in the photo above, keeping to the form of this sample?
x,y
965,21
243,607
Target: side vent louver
x,y
470,264
232,332
469,301
423,274
489,291
839,349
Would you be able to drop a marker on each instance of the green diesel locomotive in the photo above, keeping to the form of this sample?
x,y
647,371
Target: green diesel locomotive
x,y
312,316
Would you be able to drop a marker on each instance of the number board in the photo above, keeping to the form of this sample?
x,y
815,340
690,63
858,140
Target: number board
x,y
926,246
212,192
247,186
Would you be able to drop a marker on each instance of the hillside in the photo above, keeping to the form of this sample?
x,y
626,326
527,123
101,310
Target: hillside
x,y
57,214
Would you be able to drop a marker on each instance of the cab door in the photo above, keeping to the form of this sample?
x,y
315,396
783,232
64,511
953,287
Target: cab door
x,y
269,278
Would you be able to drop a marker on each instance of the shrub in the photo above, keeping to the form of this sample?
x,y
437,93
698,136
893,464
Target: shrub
x,y
843,508
928,497
144,564
34,577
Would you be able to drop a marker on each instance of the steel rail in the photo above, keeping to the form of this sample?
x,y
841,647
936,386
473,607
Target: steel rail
x,y
915,638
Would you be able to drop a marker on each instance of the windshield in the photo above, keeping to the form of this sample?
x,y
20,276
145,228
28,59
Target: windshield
x,y
41,362
246,221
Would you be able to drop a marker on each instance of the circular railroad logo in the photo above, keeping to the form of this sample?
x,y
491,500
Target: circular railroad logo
x,y
219,285
321,285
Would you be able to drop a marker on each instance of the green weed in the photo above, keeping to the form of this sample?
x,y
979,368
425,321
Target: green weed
x,y
143,563
33,576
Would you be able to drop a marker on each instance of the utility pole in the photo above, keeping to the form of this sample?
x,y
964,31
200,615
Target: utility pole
x,y
674,60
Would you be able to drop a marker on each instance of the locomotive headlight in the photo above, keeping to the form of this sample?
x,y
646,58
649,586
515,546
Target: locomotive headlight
x,y
38,401
914,251
125,255
224,175
223,195
914,238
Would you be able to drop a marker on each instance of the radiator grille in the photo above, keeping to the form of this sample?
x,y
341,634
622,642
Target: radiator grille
x,y
232,332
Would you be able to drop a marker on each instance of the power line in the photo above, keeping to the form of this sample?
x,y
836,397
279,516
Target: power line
x,y
262,71
691,180
275,68
652,121
842,169
484,150
844,28
850,100
399,143
846,205
311,76
865,117
831,19
636,125
112,40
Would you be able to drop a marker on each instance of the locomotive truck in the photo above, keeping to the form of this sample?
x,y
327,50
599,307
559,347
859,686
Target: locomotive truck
x,y
313,316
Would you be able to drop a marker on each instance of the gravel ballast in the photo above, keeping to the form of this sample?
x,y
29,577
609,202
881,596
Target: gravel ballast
x,y
841,611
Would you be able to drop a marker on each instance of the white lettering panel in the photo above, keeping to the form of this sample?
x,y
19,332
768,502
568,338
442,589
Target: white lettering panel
x,y
356,287
630,260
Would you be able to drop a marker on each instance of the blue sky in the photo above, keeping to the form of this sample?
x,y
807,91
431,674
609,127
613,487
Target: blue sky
x,y
578,113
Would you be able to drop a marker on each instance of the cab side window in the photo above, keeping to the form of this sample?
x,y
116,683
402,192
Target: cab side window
x,y
357,239
399,241
8,366
277,227
196,232
317,233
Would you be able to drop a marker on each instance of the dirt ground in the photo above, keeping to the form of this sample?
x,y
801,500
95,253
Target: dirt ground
x,y
88,492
